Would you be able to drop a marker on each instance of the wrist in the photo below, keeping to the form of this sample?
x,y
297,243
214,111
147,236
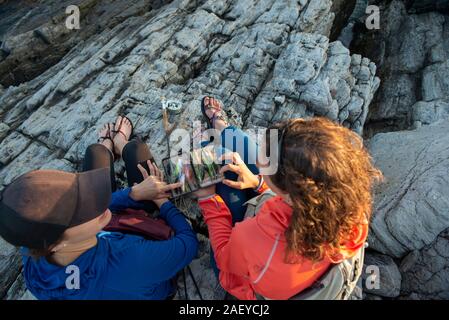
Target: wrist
x,y
135,193
160,202
257,181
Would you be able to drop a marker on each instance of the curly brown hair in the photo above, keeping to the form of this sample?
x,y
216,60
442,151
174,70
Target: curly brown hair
x,y
328,174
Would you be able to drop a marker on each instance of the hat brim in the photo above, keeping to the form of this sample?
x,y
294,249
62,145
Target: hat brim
x,y
94,195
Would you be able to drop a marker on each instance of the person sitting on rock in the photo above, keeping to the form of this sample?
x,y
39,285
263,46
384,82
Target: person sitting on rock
x,y
57,218
315,214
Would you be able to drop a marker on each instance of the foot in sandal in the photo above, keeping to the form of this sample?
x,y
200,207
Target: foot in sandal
x,y
106,136
212,110
123,130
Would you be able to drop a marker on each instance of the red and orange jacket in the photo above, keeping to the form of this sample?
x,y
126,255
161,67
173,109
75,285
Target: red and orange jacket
x,y
251,254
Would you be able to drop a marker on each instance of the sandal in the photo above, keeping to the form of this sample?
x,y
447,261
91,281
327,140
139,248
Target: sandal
x,y
218,113
119,130
108,135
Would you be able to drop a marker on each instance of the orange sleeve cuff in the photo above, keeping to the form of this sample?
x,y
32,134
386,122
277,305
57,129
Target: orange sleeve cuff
x,y
262,188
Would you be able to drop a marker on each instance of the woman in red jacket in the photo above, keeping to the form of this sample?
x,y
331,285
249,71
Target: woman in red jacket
x,y
318,216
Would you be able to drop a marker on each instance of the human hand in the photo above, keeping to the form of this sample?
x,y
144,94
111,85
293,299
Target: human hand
x,y
152,187
246,179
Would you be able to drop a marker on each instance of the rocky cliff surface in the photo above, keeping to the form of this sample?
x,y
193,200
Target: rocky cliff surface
x,y
267,60
411,53
410,220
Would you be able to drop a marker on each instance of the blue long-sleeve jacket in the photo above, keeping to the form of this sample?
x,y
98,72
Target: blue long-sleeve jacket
x,y
120,266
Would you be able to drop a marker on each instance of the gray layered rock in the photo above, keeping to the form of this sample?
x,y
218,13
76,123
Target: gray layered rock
x,y
421,6
344,10
304,83
33,35
207,286
10,266
425,272
367,296
411,206
389,276
239,52
424,113
267,60
19,291
410,51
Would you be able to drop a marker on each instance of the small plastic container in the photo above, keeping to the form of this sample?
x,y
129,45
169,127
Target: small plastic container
x,y
173,106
